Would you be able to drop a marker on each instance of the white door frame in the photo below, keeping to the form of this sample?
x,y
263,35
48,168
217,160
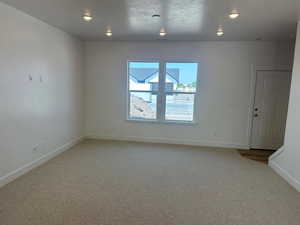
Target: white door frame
x,y
254,69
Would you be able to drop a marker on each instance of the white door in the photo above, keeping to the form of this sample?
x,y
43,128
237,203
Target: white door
x,y
270,109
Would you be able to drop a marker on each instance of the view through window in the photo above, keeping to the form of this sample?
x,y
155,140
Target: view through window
x,y
162,91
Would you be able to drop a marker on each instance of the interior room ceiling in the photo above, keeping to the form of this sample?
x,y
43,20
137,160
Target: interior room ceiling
x,y
182,19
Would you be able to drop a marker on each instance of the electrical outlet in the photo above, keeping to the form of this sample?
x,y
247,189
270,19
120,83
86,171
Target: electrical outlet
x,y
35,148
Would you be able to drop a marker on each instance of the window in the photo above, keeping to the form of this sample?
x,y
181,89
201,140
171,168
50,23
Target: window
x,y
162,91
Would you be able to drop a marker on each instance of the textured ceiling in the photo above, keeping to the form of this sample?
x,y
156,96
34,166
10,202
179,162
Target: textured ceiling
x,y
182,19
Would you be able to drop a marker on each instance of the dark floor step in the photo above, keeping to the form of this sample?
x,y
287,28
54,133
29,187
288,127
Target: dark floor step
x,y
257,155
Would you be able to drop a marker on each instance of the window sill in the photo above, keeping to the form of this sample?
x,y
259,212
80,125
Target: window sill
x,y
171,122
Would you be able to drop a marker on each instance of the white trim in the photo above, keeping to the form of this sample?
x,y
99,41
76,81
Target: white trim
x,y
218,144
285,175
161,98
180,92
25,169
254,69
141,91
174,122
276,154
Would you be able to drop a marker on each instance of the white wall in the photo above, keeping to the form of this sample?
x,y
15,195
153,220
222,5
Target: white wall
x,y
287,161
46,112
223,100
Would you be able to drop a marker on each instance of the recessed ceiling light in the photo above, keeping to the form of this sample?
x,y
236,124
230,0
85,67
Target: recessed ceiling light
x,y
220,32
234,14
87,17
156,16
108,33
162,32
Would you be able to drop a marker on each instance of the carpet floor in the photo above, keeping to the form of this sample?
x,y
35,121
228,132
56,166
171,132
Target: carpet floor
x,y
126,183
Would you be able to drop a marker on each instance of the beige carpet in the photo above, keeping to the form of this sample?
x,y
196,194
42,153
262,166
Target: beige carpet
x,y
123,183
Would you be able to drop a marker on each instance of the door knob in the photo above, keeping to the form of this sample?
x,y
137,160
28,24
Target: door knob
x,y
255,115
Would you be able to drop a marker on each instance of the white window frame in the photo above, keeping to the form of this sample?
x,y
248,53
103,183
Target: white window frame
x,y
161,94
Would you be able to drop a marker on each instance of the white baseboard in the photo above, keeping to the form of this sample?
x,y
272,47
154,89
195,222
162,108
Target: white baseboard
x,y
285,175
171,141
25,169
276,154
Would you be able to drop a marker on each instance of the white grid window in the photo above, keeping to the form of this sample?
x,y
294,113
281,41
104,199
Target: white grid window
x,y
162,91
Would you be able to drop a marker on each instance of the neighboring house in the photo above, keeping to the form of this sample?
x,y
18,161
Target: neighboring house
x,y
146,79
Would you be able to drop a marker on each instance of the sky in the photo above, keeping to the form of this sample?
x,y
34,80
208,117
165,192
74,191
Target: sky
x,y
187,74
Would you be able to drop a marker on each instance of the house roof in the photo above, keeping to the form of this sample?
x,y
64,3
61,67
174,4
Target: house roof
x,y
142,74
